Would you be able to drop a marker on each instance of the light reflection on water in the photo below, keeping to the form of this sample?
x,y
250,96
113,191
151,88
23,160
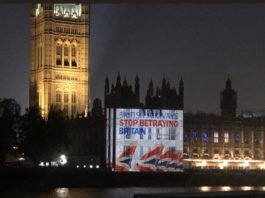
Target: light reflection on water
x,y
116,192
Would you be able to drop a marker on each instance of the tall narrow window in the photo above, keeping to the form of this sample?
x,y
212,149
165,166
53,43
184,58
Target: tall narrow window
x,y
195,136
58,99
215,137
73,51
66,102
237,137
226,137
149,133
74,57
205,137
73,103
66,60
65,50
58,55
59,50
172,133
158,134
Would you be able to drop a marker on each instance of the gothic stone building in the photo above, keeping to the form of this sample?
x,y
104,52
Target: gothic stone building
x,y
210,141
59,68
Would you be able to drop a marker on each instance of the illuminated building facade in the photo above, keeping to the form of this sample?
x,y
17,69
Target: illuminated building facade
x,y
225,141
59,67
209,141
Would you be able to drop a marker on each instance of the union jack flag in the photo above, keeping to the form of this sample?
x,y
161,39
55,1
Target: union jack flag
x,y
165,159
176,163
124,161
149,161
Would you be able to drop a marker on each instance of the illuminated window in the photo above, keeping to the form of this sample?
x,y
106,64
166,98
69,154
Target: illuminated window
x,y
149,133
172,133
58,96
59,50
66,97
66,62
66,102
73,103
141,136
158,135
205,137
226,137
73,51
215,137
237,137
65,50
195,136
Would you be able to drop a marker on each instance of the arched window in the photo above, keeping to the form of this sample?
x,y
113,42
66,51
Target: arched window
x,y
66,60
58,98
58,55
73,100
66,100
65,50
74,56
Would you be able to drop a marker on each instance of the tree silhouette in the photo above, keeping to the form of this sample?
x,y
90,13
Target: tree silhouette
x,y
56,133
33,135
9,126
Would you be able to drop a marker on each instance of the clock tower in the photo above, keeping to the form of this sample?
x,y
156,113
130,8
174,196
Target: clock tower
x,y
59,65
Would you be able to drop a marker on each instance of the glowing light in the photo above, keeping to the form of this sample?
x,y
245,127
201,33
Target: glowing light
x,y
84,166
97,166
226,188
15,147
91,166
246,188
204,163
21,159
62,192
63,159
47,163
246,163
41,164
77,166
205,188
263,188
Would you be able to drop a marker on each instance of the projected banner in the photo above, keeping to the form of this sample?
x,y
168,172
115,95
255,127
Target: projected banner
x,y
148,140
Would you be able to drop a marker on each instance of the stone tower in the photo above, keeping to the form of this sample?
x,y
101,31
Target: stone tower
x,y
228,100
59,66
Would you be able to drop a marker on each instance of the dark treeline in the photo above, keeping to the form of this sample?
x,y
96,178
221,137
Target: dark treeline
x,y
36,137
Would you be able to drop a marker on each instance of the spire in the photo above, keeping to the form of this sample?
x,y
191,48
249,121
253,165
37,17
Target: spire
x,y
118,81
106,85
112,88
181,93
137,88
124,82
150,91
228,83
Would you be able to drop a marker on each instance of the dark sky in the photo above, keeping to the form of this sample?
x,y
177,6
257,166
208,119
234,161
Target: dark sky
x,y
203,43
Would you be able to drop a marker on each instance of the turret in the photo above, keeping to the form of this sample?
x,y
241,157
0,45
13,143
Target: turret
x,y
228,101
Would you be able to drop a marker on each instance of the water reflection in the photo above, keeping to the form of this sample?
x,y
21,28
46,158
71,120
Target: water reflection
x,y
117,192
62,192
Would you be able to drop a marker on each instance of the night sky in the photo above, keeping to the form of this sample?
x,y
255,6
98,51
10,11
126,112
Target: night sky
x,y
203,43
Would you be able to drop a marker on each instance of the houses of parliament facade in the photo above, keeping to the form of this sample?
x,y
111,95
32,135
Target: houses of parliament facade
x,y
210,141
59,76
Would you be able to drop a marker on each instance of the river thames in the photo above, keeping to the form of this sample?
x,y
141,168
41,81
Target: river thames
x,y
116,192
